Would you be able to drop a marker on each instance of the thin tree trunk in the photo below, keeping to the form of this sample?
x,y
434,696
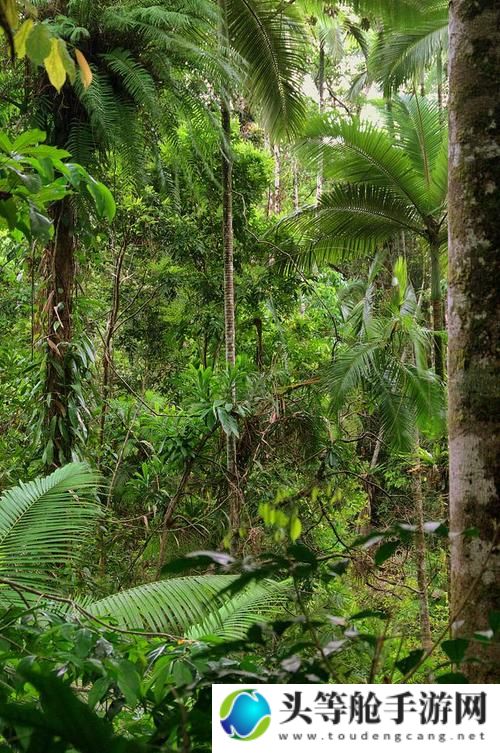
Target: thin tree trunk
x,y
367,522
420,556
439,73
474,329
234,493
259,348
321,91
277,180
59,271
437,309
295,172
107,358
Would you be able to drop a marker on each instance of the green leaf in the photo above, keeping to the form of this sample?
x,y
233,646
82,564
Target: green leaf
x,y
377,613
295,527
129,682
64,716
182,674
449,678
67,61
8,210
28,138
38,44
455,649
228,422
103,198
40,224
385,551
43,524
409,662
98,691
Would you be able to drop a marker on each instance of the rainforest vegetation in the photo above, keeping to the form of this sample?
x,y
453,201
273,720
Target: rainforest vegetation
x,y
249,401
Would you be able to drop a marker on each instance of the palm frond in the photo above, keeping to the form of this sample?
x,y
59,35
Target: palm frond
x,y
398,13
271,44
256,603
43,524
350,221
360,152
193,606
401,56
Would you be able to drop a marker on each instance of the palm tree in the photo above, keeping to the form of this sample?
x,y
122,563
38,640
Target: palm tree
x,y
385,181
133,53
45,525
413,36
383,358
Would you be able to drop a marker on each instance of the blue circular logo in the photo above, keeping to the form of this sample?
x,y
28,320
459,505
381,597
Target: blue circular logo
x,y
245,715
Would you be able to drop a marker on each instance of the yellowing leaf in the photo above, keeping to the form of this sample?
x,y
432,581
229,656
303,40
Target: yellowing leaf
x,y
22,36
85,72
9,8
295,528
54,65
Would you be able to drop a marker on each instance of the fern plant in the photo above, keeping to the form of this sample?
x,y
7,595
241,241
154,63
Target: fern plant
x,y
42,525
45,522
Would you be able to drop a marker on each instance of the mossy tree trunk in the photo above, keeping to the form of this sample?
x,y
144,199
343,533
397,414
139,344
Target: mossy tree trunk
x,y
473,320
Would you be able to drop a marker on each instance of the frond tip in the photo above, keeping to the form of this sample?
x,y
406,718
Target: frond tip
x,y
43,524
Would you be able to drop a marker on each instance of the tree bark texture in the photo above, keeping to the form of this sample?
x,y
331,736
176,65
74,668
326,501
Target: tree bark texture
x,y
473,320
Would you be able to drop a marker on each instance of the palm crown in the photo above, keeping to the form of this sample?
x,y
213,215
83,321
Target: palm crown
x,y
414,34
385,180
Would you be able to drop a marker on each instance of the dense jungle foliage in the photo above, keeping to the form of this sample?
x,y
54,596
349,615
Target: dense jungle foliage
x,y
242,437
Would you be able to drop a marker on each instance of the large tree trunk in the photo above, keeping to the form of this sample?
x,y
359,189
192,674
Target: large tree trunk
x,y
59,272
473,320
234,494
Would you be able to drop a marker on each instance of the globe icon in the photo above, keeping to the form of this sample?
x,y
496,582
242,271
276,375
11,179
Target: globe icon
x,y
245,715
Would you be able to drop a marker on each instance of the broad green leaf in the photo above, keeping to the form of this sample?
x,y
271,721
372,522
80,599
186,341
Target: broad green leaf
x,y
8,211
28,138
68,62
38,44
104,201
455,649
410,661
385,551
129,682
